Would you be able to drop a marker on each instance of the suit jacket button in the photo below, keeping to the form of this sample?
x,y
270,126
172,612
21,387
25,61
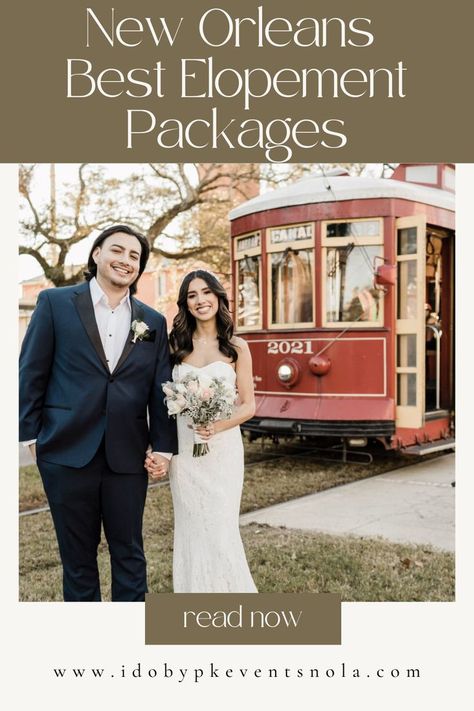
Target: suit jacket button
x,y
111,380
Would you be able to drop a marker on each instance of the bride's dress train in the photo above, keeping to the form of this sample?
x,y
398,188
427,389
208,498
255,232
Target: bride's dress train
x,y
208,552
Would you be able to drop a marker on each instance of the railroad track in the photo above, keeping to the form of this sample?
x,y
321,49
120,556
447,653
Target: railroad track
x,y
295,453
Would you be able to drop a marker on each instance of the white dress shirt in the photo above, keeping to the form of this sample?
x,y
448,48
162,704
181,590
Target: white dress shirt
x,y
113,323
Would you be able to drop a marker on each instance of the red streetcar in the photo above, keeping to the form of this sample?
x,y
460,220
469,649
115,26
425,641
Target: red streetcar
x,y
344,292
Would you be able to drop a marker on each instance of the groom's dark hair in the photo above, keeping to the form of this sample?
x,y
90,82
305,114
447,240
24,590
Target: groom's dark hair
x,y
144,254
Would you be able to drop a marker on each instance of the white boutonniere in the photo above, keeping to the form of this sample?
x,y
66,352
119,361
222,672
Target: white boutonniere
x,y
140,330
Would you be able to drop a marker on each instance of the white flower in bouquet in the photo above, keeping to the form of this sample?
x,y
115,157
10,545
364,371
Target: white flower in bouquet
x,y
203,399
173,407
168,390
204,381
193,386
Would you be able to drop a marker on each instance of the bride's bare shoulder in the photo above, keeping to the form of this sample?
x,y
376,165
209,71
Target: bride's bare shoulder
x,y
240,344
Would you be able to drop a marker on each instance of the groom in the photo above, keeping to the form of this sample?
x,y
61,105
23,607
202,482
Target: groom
x,y
91,368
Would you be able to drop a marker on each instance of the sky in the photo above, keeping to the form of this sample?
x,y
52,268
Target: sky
x,y
67,173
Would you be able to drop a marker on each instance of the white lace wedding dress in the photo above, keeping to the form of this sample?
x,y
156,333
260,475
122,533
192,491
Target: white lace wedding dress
x,y
208,553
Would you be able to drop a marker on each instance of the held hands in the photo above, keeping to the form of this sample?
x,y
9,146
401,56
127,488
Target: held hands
x,y
156,465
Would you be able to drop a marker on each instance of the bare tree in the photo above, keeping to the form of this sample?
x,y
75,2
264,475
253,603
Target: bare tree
x,y
182,188
50,232
158,200
181,208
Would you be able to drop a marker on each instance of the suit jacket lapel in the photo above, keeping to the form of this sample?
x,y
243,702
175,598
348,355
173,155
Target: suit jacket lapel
x,y
137,313
85,309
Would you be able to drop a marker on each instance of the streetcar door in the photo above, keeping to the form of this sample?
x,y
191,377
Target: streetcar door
x,y
439,321
410,321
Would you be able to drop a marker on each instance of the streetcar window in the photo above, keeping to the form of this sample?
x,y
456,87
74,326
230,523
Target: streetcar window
x,y
248,292
406,389
292,286
406,350
407,290
350,248
407,241
350,293
290,250
247,270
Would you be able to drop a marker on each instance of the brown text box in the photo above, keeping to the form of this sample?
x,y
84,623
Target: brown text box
x,y
222,618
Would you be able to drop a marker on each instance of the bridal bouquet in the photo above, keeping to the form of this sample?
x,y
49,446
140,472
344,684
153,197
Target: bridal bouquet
x,y
203,399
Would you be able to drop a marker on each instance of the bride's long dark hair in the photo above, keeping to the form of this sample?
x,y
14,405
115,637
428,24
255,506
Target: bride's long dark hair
x,y
184,323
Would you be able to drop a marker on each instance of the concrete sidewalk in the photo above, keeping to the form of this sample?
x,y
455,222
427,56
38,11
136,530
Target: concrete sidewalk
x,y
410,505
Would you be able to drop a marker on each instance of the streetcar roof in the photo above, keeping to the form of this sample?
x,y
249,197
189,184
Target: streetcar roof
x,y
316,189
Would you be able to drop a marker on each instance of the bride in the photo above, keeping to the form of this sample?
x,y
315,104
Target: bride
x,y
208,553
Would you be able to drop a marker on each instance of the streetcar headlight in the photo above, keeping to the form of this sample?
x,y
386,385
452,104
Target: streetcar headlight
x,y
285,373
288,372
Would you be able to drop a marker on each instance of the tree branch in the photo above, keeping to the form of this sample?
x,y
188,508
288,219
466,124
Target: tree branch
x,y
165,176
160,224
186,252
32,252
80,196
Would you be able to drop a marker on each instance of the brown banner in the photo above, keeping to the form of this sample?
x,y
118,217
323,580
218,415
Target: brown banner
x,y
274,81
266,618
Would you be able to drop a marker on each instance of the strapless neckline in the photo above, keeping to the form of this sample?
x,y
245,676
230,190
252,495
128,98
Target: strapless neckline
x,y
201,367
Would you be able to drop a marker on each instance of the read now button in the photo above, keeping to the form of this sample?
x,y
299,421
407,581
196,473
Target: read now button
x,y
262,618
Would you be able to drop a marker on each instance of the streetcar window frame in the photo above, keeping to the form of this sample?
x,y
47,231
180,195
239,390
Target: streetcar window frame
x,y
238,257
281,247
335,242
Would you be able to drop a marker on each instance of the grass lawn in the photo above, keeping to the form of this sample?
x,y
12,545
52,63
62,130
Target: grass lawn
x,y
281,560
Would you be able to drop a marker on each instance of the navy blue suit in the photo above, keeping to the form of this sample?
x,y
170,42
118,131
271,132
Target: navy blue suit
x,y
92,429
